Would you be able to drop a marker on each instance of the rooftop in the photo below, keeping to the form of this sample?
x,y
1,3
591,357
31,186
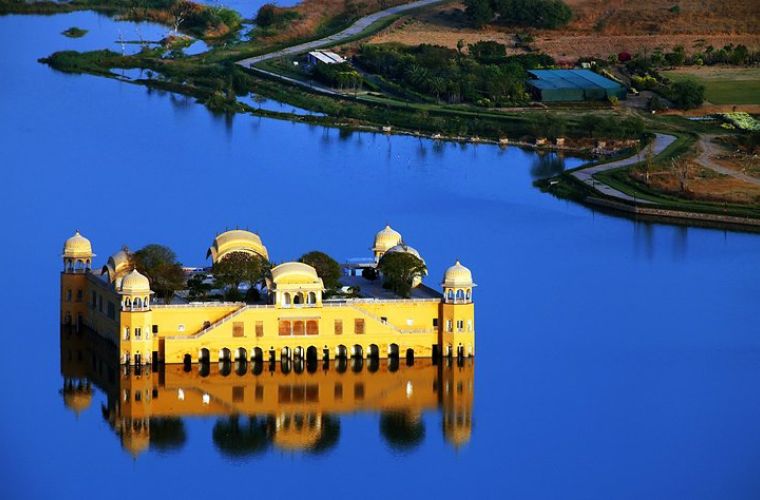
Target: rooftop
x,y
570,78
373,289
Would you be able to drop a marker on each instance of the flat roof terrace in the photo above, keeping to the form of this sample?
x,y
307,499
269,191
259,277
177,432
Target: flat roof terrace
x,y
373,289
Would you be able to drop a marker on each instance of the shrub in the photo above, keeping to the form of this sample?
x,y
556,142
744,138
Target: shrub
x,y
687,94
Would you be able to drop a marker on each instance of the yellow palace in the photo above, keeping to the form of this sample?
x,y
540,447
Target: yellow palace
x,y
294,323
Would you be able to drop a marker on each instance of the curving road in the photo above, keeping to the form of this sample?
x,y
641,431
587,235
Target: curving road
x,y
352,30
585,175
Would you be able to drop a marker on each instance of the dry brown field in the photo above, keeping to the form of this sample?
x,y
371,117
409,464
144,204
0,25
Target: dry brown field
x,y
600,27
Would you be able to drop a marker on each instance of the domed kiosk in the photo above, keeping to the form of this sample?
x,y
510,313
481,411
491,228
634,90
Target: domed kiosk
x,y
236,240
457,284
77,254
385,239
296,284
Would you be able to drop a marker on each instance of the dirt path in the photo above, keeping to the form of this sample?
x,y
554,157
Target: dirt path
x,y
709,150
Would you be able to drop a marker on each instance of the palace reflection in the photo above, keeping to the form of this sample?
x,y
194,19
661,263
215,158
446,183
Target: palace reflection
x,y
264,406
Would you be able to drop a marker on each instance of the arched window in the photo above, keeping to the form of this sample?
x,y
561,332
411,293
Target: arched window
x,y
469,294
312,298
145,301
286,299
298,298
451,294
127,303
460,294
137,303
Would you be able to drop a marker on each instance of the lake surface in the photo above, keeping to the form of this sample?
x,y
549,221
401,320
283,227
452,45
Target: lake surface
x,y
615,359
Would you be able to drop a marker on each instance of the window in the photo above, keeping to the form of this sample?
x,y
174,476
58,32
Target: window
x,y
298,328
138,333
312,327
126,333
435,322
238,329
338,327
79,295
460,325
359,326
259,393
68,295
338,391
155,328
238,394
449,325
284,327
460,295
450,295
384,319
312,393
358,391
259,328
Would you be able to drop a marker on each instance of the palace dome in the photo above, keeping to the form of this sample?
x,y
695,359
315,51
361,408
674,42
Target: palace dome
x,y
295,273
135,283
237,240
386,239
77,246
77,400
457,276
117,265
401,248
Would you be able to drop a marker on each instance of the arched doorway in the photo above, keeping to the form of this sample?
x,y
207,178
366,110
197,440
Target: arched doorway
x,y
357,351
409,357
393,351
225,354
341,352
374,351
204,356
187,362
257,354
241,354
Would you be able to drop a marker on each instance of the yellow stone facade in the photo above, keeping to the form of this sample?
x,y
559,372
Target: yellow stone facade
x,y
297,323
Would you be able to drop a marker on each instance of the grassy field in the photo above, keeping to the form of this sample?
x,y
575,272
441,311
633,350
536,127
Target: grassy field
x,y
724,85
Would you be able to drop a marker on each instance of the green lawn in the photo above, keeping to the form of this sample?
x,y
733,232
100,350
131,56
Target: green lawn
x,y
724,85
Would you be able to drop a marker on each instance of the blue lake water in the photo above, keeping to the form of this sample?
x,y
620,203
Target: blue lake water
x,y
615,359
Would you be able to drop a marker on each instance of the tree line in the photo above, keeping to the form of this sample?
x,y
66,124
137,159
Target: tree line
x,y
549,14
485,76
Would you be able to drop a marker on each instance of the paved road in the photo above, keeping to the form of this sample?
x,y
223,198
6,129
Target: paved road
x,y
660,143
352,30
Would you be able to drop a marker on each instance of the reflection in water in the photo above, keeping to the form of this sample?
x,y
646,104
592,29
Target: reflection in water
x,y
547,165
260,406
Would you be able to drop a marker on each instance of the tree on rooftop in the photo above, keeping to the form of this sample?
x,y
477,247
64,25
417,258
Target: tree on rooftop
x,y
159,263
236,268
399,270
327,268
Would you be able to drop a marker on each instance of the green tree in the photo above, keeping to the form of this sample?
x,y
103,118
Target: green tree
x,y
327,268
236,268
399,269
159,263
687,94
479,12
197,287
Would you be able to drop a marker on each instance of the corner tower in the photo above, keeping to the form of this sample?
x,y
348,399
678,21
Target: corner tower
x,y
77,262
136,342
457,312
